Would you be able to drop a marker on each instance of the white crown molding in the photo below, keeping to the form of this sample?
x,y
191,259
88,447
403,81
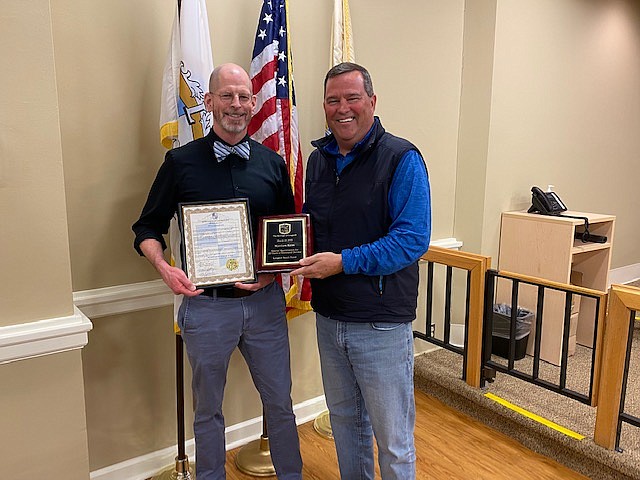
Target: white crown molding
x,y
447,243
622,275
102,302
44,337
151,464
452,243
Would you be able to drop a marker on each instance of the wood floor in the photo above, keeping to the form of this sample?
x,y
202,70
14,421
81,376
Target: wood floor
x,y
449,446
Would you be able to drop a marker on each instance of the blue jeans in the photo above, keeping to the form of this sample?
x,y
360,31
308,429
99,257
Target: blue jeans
x,y
212,328
367,372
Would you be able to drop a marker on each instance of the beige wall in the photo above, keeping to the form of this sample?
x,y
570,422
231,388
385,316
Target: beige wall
x,y
413,50
43,427
34,243
499,95
109,58
475,115
565,111
129,371
42,403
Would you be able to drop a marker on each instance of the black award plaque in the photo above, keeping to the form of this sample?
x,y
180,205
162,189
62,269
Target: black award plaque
x,y
283,240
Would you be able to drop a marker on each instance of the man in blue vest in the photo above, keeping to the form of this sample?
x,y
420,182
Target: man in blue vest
x,y
368,195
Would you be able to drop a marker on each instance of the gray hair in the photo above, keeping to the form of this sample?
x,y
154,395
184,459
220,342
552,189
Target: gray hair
x,y
347,67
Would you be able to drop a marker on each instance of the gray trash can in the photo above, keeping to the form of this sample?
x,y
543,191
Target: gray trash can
x,y
501,328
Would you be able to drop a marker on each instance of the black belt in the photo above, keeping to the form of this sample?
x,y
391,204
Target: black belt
x,y
227,292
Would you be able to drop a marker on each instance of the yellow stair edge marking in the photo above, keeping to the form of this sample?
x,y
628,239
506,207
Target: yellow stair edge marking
x,y
533,416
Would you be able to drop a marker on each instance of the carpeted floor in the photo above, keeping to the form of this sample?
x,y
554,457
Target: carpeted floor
x,y
438,373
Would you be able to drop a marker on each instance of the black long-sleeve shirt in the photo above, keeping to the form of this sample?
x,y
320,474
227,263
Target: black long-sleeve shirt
x,y
192,173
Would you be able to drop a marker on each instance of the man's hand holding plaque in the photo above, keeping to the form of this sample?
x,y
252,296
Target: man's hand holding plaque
x,y
283,240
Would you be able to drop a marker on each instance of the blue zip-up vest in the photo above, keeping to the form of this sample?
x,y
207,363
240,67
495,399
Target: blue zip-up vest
x,y
350,210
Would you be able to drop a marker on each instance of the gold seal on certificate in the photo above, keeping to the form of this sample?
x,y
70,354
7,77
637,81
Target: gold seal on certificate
x,y
217,247
283,240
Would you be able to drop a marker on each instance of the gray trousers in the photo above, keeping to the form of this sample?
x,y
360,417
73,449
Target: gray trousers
x,y
212,328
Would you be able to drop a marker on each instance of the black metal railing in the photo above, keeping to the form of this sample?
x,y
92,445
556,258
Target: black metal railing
x,y
610,364
429,335
534,376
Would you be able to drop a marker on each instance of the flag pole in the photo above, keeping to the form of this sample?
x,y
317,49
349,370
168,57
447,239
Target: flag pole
x,y
182,470
342,43
255,457
191,51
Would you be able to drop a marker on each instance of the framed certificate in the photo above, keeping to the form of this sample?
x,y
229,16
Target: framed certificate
x,y
217,246
282,241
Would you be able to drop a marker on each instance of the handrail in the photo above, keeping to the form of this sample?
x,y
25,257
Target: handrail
x,y
622,300
551,284
477,266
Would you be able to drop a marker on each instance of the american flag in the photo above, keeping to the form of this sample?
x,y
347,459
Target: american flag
x,y
275,120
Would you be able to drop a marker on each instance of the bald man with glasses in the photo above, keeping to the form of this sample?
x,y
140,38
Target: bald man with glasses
x,y
227,164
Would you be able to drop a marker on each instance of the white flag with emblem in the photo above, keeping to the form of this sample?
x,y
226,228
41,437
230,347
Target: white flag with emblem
x,y
183,117
186,77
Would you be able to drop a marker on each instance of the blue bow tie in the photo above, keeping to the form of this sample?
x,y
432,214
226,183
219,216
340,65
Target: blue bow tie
x,y
222,150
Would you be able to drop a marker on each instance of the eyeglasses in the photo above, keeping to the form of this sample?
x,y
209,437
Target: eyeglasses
x,y
243,98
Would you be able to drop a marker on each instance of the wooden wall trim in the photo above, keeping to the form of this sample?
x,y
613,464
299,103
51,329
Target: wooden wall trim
x,y
477,266
622,300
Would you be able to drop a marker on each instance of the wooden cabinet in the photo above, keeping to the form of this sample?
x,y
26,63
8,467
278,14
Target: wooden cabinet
x,y
544,246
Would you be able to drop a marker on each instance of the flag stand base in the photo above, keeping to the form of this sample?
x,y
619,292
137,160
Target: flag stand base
x,y
322,425
255,458
182,471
